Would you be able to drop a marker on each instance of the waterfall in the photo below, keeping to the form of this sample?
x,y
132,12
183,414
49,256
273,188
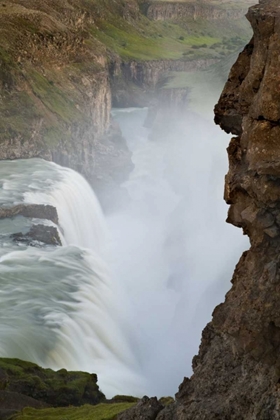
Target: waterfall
x,y
126,297
56,304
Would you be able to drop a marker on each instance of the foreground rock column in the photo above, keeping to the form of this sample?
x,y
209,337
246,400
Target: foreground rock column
x,y
237,371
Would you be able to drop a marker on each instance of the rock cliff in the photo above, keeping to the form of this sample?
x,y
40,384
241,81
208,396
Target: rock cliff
x,y
237,371
178,10
55,98
63,62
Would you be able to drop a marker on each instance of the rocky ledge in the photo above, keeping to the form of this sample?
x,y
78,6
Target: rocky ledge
x,y
38,211
38,234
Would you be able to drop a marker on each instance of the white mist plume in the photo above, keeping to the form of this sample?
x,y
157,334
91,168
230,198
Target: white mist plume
x,y
136,318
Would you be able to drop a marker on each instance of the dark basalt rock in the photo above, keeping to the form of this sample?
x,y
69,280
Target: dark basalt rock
x,y
38,234
12,402
38,211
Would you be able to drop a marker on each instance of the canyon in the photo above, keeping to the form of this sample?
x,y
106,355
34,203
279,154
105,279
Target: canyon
x,y
66,63
236,373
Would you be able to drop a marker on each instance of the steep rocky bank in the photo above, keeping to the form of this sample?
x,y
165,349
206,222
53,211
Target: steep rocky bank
x,y
179,10
63,64
236,373
55,92
136,83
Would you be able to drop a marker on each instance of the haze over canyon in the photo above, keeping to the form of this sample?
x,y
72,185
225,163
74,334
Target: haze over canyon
x,y
114,250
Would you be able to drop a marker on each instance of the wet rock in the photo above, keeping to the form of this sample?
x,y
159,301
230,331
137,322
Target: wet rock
x,y
38,211
12,402
39,234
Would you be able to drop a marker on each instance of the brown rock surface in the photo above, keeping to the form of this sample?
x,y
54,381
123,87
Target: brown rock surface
x,y
237,371
38,211
211,10
146,409
38,235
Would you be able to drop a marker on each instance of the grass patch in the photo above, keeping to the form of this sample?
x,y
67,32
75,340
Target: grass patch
x,y
86,412
161,40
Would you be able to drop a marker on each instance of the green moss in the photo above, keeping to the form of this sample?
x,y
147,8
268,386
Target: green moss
x,y
55,388
17,111
52,102
86,412
150,40
53,98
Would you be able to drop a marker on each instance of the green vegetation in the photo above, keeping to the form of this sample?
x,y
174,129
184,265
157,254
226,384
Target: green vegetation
x,y
53,98
86,412
46,65
151,40
55,388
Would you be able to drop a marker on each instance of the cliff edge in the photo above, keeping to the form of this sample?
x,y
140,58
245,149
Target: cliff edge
x,y
237,371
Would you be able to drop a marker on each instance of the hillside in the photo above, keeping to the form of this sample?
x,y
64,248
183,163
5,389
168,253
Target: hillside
x,y
61,62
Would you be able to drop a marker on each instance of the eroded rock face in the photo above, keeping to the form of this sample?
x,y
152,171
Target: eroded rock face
x,y
177,10
237,370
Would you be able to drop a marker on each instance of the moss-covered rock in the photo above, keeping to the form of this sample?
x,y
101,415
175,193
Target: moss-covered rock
x,y
57,389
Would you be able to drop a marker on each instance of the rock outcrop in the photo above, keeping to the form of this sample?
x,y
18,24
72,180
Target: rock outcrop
x,y
56,389
237,371
146,409
38,235
37,211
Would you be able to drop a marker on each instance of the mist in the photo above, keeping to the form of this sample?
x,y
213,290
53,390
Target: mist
x,y
172,253
128,294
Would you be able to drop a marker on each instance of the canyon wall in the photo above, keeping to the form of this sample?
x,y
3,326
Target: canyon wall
x,y
55,91
137,83
63,64
159,10
237,371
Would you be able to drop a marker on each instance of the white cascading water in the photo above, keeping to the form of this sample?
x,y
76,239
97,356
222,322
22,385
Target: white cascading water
x,y
57,305
129,301
174,254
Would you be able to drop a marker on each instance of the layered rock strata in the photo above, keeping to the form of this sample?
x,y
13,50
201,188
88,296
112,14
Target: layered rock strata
x,y
178,10
55,96
136,83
